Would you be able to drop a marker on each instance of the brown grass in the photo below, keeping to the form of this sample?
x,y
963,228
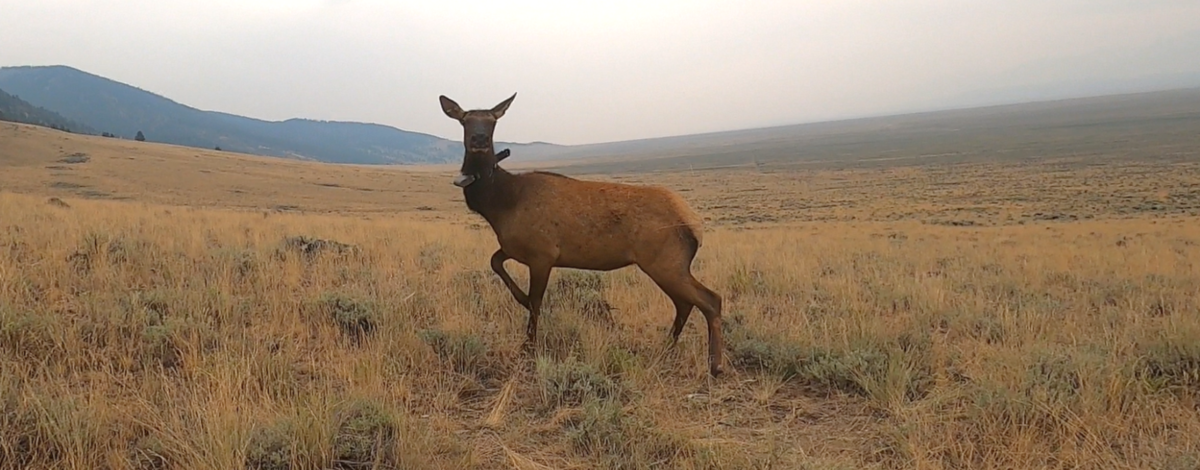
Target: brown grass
x,y
151,333
34,160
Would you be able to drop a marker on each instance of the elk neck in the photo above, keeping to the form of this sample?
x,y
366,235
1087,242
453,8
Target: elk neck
x,y
493,195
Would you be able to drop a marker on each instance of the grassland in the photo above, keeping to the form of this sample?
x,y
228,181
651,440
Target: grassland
x,y
1039,313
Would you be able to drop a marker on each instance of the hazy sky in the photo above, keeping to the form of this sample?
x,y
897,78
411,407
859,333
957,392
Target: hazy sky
x,y
596,71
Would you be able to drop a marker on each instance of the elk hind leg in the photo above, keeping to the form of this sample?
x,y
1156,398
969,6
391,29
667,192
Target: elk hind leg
x,y
684,289
709,303
683,309
539,277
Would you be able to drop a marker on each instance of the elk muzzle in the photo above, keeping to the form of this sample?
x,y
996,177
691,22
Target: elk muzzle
x,y
479,142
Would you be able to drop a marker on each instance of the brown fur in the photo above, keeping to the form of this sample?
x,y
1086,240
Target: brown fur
x,y
546,220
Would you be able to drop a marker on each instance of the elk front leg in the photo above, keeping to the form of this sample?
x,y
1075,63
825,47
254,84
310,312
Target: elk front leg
x,y
498,259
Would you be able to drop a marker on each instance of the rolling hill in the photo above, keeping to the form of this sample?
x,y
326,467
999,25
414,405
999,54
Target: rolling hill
x,y
15,109
110,106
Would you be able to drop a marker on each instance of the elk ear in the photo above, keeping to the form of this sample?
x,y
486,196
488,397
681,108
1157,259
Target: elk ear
x,y
499,110
451,108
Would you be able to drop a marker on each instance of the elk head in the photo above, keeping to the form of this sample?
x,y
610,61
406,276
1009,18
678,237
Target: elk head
x,y
478,125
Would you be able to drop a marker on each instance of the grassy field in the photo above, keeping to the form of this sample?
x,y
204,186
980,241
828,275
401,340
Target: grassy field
x,y
1031,314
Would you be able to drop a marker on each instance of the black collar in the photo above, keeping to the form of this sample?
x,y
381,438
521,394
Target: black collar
x,y
464,180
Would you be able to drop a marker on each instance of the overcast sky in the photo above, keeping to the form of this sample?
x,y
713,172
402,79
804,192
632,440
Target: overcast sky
x,y
590,72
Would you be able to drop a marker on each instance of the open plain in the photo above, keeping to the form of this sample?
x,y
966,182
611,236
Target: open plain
x,y
1032,303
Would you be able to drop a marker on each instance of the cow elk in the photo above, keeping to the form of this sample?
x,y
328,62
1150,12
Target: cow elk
x,y
546,220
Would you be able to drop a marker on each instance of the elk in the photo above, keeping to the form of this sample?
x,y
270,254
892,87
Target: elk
x,y
546,220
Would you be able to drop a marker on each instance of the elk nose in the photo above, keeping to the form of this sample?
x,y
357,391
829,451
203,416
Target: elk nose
x,y
479,141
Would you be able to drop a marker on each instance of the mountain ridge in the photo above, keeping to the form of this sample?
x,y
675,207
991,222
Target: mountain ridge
x,y
124,110
15,109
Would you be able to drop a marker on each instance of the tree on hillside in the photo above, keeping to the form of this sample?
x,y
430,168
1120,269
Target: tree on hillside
x,y
139,137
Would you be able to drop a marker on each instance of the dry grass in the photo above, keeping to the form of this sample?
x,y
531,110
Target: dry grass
x,y
146,334
965,194
36,160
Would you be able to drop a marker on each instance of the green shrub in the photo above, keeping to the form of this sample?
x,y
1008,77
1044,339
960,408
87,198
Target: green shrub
x,y
886,369
29,335
571,382
464,353
582,292
355,317
272,447
1170,364
366,436
620,440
